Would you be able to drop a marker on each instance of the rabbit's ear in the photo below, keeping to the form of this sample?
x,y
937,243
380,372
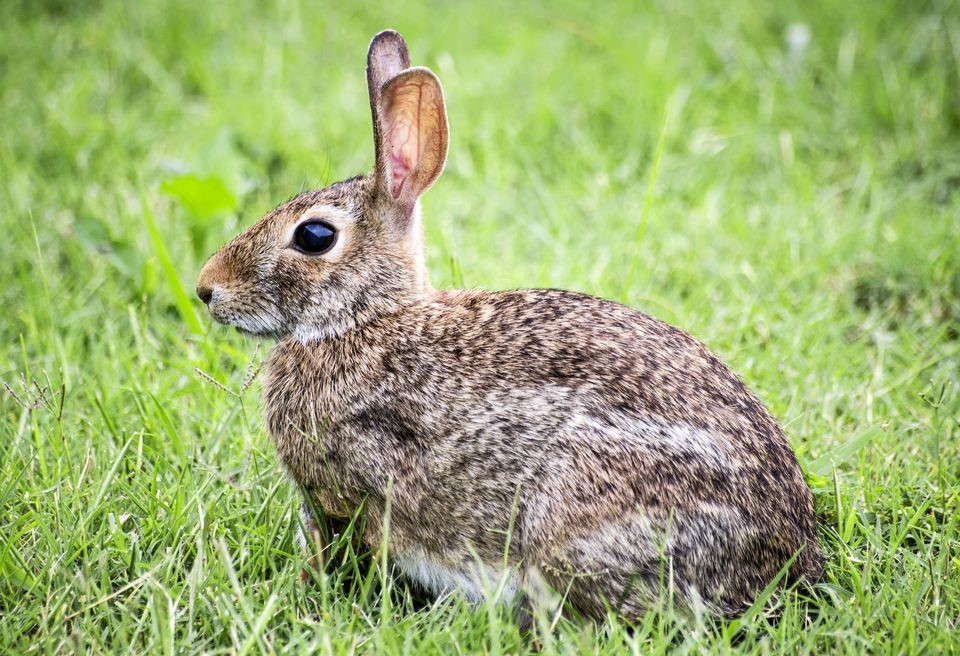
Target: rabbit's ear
x,y
411,135
387,57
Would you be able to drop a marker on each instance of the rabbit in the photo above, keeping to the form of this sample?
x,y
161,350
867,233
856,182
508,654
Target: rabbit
x,y
536,447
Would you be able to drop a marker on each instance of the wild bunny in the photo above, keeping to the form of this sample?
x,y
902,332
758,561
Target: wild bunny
x,y
615,451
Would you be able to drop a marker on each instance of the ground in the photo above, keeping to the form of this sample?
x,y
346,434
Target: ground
x,y
782,180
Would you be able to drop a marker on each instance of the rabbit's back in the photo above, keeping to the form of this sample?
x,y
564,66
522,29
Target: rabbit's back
x,y
597,437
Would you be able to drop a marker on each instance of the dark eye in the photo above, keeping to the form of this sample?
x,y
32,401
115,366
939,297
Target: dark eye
x,y
315,237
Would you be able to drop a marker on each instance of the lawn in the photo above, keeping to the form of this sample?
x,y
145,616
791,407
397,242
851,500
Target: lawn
x,y
782,180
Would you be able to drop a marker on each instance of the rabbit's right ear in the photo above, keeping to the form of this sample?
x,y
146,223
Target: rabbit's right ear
x,y
409,122
387,57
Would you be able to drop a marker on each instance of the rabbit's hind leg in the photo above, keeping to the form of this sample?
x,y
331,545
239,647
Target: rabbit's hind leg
x,y
621,567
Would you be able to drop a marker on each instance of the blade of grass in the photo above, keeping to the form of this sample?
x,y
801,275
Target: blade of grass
x,y
180,297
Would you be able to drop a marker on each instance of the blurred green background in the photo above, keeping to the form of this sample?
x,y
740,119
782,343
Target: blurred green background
x,y
782,180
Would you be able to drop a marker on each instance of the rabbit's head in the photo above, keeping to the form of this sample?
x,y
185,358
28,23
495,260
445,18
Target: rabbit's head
x,y
331,259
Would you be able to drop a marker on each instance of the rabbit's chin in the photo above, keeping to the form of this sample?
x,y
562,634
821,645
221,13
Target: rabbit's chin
x,y
257,327
260,333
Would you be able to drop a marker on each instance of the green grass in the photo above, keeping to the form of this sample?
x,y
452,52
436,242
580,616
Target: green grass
x,y
803,220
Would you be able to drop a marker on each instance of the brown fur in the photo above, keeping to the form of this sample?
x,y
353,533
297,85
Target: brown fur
x,y
614,450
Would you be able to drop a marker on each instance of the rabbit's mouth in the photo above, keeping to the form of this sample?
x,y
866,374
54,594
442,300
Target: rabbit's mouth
x,y
254,316
255,325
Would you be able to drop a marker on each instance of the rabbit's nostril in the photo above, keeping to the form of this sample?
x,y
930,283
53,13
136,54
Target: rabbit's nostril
x,y
205,294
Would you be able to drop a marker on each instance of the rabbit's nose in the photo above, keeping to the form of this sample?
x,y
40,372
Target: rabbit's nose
x,y
205,294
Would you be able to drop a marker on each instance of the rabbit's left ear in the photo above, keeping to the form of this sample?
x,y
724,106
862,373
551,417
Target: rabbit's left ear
x,y
411,133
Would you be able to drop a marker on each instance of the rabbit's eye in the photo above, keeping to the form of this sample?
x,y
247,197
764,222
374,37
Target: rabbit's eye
x,y
314,237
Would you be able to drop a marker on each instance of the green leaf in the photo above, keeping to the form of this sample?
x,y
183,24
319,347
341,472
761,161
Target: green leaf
x,y
203,196
825,463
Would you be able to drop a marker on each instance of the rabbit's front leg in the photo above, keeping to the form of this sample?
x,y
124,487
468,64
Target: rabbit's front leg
x,y
316,532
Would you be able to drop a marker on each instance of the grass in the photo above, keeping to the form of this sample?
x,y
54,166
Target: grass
x,y
795,207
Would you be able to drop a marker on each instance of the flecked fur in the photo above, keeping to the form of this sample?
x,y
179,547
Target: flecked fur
x,y
614,450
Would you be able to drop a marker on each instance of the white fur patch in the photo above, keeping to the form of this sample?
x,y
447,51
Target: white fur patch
x,y
675,438
475,582
306,334
686,439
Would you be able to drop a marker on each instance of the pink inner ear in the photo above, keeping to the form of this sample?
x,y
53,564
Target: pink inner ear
x,y
403,137
403,154
401,163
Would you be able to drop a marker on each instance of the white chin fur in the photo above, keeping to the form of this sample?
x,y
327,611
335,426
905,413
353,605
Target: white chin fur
x,y
255,326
